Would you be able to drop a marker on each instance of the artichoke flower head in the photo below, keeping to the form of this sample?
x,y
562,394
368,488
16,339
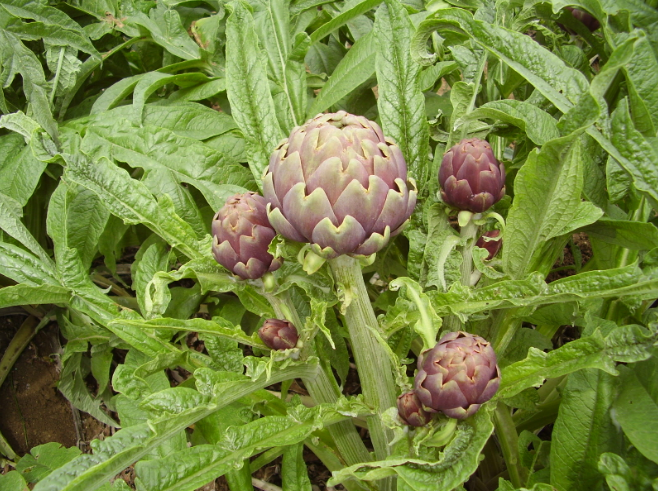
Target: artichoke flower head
x,y
340,185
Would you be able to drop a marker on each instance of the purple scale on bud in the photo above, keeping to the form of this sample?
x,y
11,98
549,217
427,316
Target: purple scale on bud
x,y
492,246
278,334
411,410
470,176
457,375
241,236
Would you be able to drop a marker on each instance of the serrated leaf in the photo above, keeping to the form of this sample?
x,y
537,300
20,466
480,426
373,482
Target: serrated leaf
x,y
458,460
354,69
167,30
547,203
623,344
540,126
43,459
583,430
248,90
401,103
23,294
20,171
131,201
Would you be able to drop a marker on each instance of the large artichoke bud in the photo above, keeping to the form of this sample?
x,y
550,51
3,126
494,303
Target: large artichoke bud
x,y
278,334
411,410
241,236
457,375
470,176
339,184
492,246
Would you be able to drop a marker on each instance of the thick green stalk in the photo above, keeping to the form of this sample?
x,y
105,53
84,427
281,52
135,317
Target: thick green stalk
x,y
509,443
371,359
323,389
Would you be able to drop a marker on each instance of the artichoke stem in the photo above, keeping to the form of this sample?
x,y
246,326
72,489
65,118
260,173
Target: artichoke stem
x,y
509,443
468,234
324,389
373,364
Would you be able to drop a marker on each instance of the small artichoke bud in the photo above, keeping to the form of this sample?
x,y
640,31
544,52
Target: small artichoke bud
x,y
241,236
411,411
586,18
340,185
470,176
278,334
458,375
492,246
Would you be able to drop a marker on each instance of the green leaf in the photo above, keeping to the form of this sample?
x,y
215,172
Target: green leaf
x,y
218,327
20,171
14,53
401,103
22,294
76,218
157,149
540,126
430,75
642,77
637,404
343,18
623,233
151,258
43,459
293,469
10,222
354,69
458,460
13,481
547,203
130,444
638,156
248,90
167,30
132,202
21,266
583,430
559,83
626,343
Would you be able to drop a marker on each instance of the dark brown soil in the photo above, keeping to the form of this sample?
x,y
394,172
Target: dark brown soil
x,y
32,411
565,266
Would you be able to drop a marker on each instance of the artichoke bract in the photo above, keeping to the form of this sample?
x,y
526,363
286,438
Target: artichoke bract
x,y
457,375
241,236
492,246
340,185
278,334
470,176
410,410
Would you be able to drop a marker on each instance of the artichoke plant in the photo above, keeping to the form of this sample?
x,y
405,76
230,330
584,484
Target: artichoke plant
x,y
470,176
340,185
492,246
241,236
410,410
457,375
278,334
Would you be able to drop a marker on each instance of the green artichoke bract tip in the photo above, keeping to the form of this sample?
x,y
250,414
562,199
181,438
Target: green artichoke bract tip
x,y
340,185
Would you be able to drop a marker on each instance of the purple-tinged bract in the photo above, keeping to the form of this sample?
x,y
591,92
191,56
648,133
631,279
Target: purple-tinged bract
x,y
411,410
340,185
457,375
470,176
278,334
492,246
241,236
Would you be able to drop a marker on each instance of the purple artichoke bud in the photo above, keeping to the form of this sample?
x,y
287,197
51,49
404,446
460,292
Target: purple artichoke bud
x,y
241,236
411,411
340,185
493,246
457,375
586,18
278,334
470,176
